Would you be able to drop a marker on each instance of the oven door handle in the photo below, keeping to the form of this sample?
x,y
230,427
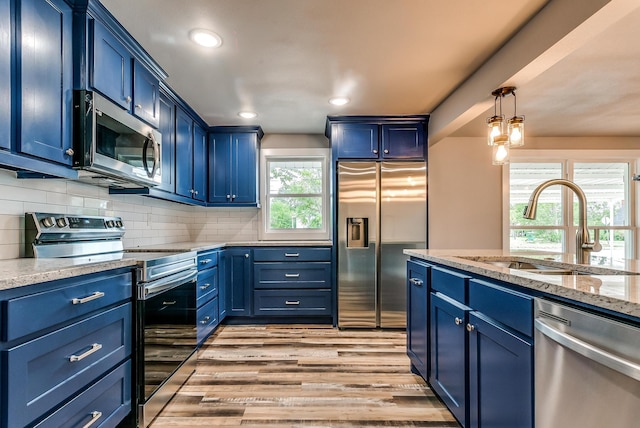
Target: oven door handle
x,y
167,283
612,361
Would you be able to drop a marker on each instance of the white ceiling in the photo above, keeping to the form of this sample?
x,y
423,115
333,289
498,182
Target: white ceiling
x,y
285,58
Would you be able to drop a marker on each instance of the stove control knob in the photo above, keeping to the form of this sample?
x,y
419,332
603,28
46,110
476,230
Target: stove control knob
x,y
62,222
110,223
48,221
118,223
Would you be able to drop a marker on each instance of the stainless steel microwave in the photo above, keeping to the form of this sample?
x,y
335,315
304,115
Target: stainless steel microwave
x,y
111,146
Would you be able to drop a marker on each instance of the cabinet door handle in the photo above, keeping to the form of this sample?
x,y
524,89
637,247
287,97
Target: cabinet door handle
x,y
470,327
127,99
205,286
416,281
386,151
292,254
69,152
375,152
458,321
233,197
205,261
246,256
138,105
205,320
173,302
195,192
95,415
81,300
292,302
292,275
94,348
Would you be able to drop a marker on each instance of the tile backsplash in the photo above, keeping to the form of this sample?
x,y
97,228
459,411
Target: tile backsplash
x,y
147,220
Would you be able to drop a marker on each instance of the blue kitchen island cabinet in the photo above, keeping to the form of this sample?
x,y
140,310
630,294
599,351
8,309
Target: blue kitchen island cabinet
x,y
417,313
46,80
191,159
233,165
71,364
5,75
378,137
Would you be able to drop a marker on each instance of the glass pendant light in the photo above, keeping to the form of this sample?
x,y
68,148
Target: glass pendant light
x,y
495,122
501,150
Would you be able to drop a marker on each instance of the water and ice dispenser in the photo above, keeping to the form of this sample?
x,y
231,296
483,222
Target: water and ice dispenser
x,y
357,232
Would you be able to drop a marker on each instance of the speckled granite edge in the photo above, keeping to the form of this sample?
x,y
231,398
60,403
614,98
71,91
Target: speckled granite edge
x,y
22,272
205,246
567,286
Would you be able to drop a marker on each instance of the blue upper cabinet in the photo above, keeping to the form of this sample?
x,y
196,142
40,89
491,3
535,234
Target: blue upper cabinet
x,y
191,157
5,75
233,165
45,79
112,62
378,137
199,163
146,95
167,127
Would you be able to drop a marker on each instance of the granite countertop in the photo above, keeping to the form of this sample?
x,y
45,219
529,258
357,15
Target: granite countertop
x,y
204,246
618,293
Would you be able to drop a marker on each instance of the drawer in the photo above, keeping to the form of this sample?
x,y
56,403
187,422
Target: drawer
x,y
29,314
449,283
207,260
417,274
292,302
105,403
46,371
207,319
506,306
292,275
292,254
207,285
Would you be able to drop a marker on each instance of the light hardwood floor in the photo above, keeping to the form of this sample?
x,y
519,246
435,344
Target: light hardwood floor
x,y
304,375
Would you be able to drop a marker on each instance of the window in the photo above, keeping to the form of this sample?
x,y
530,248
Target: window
x,y
295,194
610,203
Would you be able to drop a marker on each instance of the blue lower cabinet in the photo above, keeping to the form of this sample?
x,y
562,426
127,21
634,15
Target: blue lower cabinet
x,y
239,280
417,317
292,302
448,350
208,319
500,376
103,404
44,372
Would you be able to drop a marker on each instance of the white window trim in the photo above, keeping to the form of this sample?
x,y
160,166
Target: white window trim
x,y
568,158
323,234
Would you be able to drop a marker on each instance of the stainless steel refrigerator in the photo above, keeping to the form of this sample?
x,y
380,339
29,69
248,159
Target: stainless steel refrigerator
x,y
381,210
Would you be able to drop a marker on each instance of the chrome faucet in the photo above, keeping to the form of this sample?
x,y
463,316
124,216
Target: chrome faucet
x,y
583,244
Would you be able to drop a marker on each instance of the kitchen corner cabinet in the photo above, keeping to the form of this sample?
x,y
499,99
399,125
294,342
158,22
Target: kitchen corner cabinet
x,y
233,166
239,281
119,76
71,364
45,79
5,75
378,138
191,159
417,312
481,349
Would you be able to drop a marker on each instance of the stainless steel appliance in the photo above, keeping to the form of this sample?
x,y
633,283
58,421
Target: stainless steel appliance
x,y
111,146
587,369
164,302
382,210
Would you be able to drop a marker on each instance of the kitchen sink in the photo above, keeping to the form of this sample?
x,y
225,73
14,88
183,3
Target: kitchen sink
x,y
550,267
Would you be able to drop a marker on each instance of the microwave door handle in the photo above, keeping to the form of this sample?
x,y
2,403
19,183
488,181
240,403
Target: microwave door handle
x,y
156,156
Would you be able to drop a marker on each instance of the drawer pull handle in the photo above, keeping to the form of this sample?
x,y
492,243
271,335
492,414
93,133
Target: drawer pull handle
x,y
292,254
470,327
94,348
205,261
173,302
415,281
292,275
292,302
95,415
458,321
205,286
94,296
205,320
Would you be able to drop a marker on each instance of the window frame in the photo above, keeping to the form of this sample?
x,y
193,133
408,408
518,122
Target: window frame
x,y
304,155
568,158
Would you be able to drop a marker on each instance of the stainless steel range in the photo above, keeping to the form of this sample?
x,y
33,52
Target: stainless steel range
x,y
165,300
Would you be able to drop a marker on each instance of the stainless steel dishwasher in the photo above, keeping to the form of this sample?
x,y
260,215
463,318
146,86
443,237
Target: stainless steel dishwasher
x,y
587,369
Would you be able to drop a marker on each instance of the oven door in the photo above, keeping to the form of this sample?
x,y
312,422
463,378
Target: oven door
x,y
166,324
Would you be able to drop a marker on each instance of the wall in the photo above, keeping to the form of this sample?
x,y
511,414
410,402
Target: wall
x,y
465,195
147,220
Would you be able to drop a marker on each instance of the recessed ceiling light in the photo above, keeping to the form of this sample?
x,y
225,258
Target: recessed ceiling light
x,y
205,38
339,101
247,114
